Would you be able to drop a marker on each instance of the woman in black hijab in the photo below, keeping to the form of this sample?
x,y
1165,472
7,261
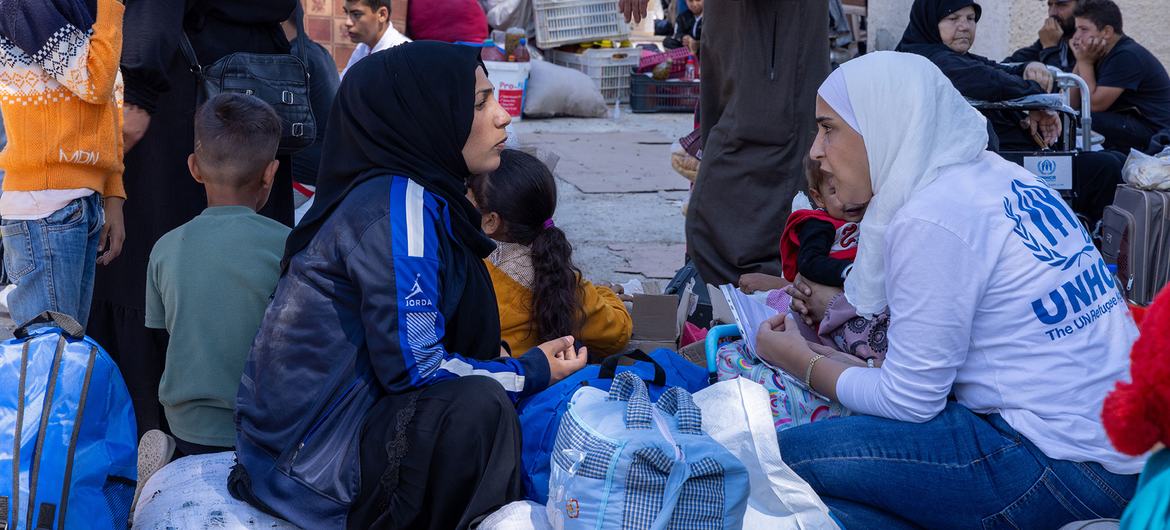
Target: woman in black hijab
x,y
944,31
375,395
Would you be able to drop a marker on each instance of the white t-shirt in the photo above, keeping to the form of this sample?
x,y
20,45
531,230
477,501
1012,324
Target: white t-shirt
x,y
35,205
997,294
390,39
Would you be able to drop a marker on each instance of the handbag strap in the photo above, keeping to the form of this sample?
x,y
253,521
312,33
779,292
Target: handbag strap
x,y
678,402
189,53
610,364
197,68
629,387
66,323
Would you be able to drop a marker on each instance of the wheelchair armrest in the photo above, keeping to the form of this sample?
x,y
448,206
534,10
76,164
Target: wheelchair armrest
x,y
1033,102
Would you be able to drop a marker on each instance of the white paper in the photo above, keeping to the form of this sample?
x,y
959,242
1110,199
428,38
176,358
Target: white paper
x,y
749,314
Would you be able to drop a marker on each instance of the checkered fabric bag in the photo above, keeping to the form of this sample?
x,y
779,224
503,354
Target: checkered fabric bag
x,y
621,462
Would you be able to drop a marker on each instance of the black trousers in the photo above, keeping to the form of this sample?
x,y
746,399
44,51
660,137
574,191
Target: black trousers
x,y
439,458
1123,130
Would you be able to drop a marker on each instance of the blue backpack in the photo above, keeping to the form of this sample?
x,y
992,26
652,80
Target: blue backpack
x,y
540,415
68,437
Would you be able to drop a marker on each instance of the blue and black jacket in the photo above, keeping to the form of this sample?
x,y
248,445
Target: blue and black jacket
x,y
374,305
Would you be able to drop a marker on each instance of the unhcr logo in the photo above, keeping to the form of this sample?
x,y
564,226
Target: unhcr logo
x,y
1055,237
1046,167
1044,223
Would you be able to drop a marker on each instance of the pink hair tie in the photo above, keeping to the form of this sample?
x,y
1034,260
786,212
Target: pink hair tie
x,y
549,224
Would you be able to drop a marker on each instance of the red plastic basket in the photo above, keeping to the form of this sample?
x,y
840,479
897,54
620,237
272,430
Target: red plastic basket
x,y
677,56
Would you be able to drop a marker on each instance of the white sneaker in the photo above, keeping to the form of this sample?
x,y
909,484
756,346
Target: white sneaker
x,y
155,450
4,296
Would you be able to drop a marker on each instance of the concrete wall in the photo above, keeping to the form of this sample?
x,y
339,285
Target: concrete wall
x,y
1011,24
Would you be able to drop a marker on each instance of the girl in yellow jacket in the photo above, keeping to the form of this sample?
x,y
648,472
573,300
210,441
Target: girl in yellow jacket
x,y
539,291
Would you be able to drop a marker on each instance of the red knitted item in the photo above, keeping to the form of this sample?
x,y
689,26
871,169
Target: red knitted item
x,y
1137,415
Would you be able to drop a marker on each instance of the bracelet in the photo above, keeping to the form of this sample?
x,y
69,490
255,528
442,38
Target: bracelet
x,y
808,372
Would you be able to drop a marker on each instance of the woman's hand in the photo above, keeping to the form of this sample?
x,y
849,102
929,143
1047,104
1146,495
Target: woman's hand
x,y
1045,126
563,359
779,342
135,122
1039,73
810,300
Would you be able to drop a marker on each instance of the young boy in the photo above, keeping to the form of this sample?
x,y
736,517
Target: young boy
x,y
209,281
61,99
688,28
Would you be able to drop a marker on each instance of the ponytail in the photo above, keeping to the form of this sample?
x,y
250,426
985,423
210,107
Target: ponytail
x,y
524,193
557,301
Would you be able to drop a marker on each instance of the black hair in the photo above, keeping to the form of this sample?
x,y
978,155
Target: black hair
x,y
813,173
1102,13
236,137
375,4
523,192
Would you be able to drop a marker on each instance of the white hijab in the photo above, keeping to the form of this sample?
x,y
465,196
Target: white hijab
x,y
914,123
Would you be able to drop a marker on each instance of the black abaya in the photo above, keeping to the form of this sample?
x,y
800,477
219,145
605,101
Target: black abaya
x,y
161,195
448,455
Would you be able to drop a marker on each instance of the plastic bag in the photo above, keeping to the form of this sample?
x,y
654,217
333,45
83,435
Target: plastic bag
x,y
1147,172
558,91
191,492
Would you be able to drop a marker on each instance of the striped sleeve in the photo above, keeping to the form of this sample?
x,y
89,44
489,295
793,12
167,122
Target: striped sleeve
x,y
402,296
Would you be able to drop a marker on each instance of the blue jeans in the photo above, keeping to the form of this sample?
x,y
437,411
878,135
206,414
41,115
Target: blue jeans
x,y
51,261
959,470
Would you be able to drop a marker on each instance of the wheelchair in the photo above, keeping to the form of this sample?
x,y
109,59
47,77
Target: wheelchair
x,y
1054,165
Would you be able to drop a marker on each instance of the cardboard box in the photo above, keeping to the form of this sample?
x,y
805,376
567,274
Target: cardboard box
x,y
658,318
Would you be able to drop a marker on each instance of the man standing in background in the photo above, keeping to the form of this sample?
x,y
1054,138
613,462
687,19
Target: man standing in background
x,y
762,62
368,25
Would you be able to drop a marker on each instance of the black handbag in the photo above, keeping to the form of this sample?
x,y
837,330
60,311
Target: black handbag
x,y
281,80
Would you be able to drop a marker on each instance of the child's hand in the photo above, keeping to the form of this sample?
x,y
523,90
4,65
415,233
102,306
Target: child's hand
x,y
113,232
563,359
755,282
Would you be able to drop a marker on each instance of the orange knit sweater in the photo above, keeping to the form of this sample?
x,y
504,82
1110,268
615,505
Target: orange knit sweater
x,y
64,122
607,326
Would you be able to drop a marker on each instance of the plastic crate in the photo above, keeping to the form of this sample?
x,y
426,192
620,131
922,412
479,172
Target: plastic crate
x,y
609,68
650,95
678,61
560,22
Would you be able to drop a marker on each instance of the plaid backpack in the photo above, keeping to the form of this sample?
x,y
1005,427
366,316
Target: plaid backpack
x,y
622,462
